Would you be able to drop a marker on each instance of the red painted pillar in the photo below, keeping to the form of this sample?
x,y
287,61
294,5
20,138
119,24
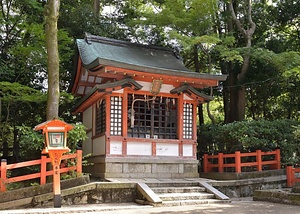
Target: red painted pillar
x,y
43,170
277,156
220,162
238,167
3,175
259,160
55,156
205,163
79,162
289,177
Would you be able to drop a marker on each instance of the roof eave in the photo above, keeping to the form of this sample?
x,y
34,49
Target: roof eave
x,y
154,70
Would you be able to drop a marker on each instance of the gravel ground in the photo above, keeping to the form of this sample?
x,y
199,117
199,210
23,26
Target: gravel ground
x,y
237,206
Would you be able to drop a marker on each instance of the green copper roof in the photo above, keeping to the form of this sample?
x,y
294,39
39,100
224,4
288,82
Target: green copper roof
x,y
95,51
99,50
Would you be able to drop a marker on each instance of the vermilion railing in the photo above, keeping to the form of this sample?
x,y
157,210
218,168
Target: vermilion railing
x,y
291,178
237,164
42,174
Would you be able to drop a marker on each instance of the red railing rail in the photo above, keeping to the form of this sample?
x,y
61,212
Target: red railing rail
x,y
291,178
238,164
4,180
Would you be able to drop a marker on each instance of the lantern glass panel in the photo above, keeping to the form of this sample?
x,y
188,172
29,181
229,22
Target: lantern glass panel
x,y
56,139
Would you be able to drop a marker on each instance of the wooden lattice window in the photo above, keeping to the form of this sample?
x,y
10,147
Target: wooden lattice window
x,y
153,117
116,116
187,121
100,117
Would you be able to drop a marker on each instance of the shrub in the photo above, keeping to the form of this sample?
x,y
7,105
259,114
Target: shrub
x,y
247,136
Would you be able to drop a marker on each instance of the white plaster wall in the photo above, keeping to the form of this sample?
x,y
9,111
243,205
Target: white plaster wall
x,y
87,145
99,146
87,118
166,88
187,150
121,91
166,149
137,148
185,97
116,147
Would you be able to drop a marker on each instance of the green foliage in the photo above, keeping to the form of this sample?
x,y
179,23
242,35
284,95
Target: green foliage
x,y
31,143
76,136
249,136
274,84
16,93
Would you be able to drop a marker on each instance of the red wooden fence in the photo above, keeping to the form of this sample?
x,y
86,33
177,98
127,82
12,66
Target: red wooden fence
x,y
291,178
238,164
42,174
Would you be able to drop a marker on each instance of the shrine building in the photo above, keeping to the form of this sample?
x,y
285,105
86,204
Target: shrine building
x,y
139,104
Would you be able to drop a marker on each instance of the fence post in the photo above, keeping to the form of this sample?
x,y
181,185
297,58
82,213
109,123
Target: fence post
x,y
277,157
220,162
205,163
3,175
79,162
238,162
43,169
259,160
289,172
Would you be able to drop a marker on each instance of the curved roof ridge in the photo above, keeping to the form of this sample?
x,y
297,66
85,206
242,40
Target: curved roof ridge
x,y
93,38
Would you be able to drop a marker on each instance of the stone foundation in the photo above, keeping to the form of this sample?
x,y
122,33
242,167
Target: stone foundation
x,y
140,167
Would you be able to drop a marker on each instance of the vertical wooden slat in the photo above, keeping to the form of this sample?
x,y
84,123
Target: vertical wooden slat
x,y
124,147
194,121
180,148
154,149
180,116
125,113
107,142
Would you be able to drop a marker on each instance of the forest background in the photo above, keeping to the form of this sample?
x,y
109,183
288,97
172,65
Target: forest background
x,y
256,43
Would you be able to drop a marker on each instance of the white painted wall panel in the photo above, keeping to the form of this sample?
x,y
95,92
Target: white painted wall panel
x,y
116,147
187,150
87,118
166,149
87,145
185,97
137,148
121,91
99,146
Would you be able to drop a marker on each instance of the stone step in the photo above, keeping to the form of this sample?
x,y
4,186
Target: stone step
x,y
160,190
173,184
185,196
193,202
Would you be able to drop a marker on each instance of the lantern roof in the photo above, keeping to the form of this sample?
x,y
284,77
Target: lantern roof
x,y
54,123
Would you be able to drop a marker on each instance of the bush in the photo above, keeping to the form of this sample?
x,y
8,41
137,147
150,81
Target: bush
x,y
247,136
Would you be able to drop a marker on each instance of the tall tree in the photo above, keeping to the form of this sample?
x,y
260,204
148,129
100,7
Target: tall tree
x,y
237,96
51,18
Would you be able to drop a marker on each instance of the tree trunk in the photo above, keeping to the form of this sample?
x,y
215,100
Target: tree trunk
x,y
97,8
236,82
197,69
51,17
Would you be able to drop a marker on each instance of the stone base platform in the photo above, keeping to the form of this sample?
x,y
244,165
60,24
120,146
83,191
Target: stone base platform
x,y
142,167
